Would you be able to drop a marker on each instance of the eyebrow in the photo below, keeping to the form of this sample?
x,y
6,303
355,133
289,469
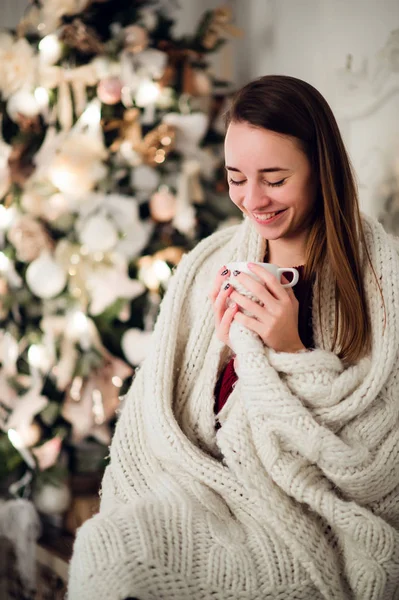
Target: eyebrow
x,y
266,170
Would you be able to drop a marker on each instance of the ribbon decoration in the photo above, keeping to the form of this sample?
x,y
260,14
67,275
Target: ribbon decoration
x,y
220,26
189,190
71,84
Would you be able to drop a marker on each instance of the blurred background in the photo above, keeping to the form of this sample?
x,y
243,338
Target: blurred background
x,y
111,168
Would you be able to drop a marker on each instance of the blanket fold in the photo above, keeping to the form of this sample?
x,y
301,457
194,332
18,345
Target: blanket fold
x,y
295,496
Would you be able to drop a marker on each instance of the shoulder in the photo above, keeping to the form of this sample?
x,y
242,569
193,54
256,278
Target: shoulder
x,y
378,240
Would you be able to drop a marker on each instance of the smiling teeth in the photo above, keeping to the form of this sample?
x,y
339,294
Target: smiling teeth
x,y
267,216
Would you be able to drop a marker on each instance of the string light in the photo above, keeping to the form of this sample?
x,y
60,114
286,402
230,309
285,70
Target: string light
x,y
98,407
50,49
41,97
4,263
6,217
16,441
147,93
92,115
117,381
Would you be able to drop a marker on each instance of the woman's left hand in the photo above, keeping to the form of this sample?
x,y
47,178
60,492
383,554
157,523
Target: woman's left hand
x,y
276,319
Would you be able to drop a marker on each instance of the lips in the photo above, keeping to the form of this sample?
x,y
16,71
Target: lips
x,y
267,217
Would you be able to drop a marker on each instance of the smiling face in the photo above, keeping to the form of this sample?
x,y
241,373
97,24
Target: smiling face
x,y
271,182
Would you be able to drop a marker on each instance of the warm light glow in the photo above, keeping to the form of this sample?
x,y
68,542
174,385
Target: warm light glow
x,y
117,381
57,205
147,93
16,441
162,270
98,407
61,177
76,388
4,262
160,156
15,438
42,97
92,115
39,357
78,323
6,216
50,49
35,356
75,259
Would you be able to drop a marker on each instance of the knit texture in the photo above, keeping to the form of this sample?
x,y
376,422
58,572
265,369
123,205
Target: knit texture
x,y
294,497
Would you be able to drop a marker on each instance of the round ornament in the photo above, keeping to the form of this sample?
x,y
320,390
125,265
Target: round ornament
x,y
163,206
52,499
135,345
45,277
136,38
98,234
109,90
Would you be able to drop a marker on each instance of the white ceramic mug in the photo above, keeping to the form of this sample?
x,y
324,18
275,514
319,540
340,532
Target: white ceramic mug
x,y
278,272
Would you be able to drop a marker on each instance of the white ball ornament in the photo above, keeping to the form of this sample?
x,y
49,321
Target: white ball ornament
x,y
51,499
135,345
45,277
163,206
98,234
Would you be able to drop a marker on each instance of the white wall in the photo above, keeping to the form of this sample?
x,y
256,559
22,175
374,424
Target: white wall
x,y
311,39
11,12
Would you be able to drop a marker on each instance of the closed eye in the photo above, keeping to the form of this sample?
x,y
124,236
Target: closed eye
x,y
276,183
234,182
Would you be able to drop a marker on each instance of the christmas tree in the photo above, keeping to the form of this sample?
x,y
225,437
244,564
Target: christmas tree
x,y
110,170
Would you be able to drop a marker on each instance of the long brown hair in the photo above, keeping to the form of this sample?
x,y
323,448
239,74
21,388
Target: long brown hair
x,y
292,107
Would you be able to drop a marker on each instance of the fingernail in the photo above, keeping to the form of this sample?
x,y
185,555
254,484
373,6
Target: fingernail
x,y
250,265
236,272
233,305
224,272
226,287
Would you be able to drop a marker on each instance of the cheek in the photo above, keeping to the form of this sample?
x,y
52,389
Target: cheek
x,y
235,195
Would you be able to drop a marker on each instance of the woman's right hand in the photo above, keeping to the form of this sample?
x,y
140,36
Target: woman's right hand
x,y
223,315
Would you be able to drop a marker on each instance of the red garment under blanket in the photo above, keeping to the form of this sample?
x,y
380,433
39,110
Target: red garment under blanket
x,y
303,293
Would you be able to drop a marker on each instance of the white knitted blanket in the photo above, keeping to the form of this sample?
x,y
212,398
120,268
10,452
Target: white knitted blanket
x,y
296,496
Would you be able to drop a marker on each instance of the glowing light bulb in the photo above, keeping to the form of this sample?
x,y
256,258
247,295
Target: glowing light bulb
x,y
92,115
147,93
50,49
41,97
17,442
162,271
4,262
6,217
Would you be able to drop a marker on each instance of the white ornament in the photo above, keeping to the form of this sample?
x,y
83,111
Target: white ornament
x,y
108,284
45,277
190,129
145,178
5,179
50,50
23,102
52,499
135,345
98,234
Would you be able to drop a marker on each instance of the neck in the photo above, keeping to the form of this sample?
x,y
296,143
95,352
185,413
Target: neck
x,y
286,253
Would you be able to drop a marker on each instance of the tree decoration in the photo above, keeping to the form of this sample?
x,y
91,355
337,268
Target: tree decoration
x,y
109,165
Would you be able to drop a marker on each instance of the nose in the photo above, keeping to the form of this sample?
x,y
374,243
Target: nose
x,y
255,197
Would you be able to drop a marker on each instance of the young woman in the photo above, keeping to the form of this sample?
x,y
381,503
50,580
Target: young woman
x,y
257,454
